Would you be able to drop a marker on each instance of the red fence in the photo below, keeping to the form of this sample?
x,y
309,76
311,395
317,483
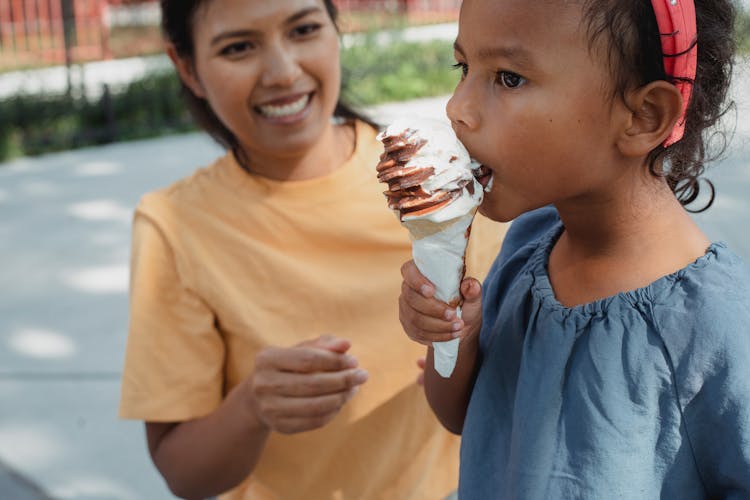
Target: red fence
x,y
358,15
35,32
42,32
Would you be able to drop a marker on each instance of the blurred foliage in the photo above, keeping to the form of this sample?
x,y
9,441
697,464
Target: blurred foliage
x,y
742,29
397,72
36,124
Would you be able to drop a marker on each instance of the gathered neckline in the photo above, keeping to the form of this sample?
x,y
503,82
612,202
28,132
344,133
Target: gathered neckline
x,y
542,286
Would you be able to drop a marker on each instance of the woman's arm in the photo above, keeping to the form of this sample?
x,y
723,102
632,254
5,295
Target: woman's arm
x,y
202,457
292,390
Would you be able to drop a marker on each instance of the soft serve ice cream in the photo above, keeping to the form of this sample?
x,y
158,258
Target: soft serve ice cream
x,y
433,189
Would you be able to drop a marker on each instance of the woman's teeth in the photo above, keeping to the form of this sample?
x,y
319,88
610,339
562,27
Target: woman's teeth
x,y
287,109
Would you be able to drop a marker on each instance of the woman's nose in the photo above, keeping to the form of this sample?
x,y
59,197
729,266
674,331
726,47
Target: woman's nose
x,y
461,108
281,67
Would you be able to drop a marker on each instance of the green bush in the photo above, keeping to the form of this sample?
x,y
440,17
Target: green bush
x,y
397,72
33,124
742,29
36,124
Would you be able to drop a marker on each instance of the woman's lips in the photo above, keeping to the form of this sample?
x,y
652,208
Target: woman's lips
x,y
285,107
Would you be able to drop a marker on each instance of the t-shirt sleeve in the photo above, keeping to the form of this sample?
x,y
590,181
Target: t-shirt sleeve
x,y
175,355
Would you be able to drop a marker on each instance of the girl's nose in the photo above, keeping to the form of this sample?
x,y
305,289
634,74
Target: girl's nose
x,y
461,109
281,68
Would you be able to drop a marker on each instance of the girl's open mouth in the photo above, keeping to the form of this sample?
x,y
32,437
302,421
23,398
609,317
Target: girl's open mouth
x,y
484,176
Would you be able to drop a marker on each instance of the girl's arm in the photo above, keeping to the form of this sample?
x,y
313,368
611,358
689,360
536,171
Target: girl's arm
x,y
292,390
449,397
426,320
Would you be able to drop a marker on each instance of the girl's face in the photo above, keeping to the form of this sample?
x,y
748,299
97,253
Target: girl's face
x,y
533,105
270,71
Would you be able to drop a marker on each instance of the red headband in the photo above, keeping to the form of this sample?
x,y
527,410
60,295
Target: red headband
x,y
677,27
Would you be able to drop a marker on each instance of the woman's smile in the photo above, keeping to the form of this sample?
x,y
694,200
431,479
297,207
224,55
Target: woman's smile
x,y
287,109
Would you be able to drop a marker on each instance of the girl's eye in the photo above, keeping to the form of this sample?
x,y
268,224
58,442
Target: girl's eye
x,y
236,48
306,29
510,80
463,67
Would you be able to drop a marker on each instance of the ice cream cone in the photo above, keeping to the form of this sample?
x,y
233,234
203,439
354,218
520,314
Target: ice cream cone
x,y
432,188
439,251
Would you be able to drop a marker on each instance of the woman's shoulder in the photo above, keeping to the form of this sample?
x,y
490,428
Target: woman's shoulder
x,y
188,190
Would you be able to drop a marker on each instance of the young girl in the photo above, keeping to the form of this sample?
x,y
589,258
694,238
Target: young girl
x,y
264,286
610,355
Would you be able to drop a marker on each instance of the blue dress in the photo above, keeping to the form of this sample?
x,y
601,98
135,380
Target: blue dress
x,y
643,395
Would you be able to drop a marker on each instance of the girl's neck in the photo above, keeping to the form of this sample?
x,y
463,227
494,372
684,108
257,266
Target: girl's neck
x,y
335,146
622,242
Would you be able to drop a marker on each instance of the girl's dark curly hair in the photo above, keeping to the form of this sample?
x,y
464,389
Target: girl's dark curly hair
x,y
177,18
631,37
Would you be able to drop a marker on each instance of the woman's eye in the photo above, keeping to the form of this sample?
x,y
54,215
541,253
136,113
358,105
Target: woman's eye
x,y
510,80
463,67
306,29
236,48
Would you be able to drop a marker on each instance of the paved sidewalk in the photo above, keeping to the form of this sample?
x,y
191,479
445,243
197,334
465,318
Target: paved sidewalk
x,y
64,245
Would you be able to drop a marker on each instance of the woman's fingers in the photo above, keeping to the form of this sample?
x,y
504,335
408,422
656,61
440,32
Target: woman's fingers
x,y
303,359
287,384
280,407
302,387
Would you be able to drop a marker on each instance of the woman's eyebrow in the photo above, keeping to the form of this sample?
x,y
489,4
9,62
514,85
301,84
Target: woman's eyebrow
x,y
250,33
302,13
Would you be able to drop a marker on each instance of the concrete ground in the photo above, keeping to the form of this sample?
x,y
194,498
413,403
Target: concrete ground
x,y
64,245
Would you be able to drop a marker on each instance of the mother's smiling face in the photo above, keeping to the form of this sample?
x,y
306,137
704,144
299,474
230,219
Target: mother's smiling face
x,y
270,71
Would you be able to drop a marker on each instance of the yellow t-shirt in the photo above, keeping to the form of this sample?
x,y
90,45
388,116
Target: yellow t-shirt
x,y
225,263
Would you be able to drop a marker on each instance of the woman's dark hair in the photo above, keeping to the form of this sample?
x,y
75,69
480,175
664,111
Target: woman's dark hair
x,y
631,36
177,17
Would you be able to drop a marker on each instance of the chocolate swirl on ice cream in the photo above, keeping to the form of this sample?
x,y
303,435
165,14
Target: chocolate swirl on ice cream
x,y
426,168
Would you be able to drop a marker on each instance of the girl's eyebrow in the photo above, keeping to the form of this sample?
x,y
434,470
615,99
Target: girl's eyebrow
x,y
248,33
518,55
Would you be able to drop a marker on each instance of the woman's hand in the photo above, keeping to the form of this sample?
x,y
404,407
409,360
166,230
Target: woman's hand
x,y
301,388
426,319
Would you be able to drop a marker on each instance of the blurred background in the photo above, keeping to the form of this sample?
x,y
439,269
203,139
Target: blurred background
x,y
90,119
82,72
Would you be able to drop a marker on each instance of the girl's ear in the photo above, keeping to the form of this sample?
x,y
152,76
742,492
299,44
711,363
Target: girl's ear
x,y
186,70
653,111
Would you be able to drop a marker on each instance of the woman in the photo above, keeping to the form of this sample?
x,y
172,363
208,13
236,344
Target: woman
x,y
265,354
